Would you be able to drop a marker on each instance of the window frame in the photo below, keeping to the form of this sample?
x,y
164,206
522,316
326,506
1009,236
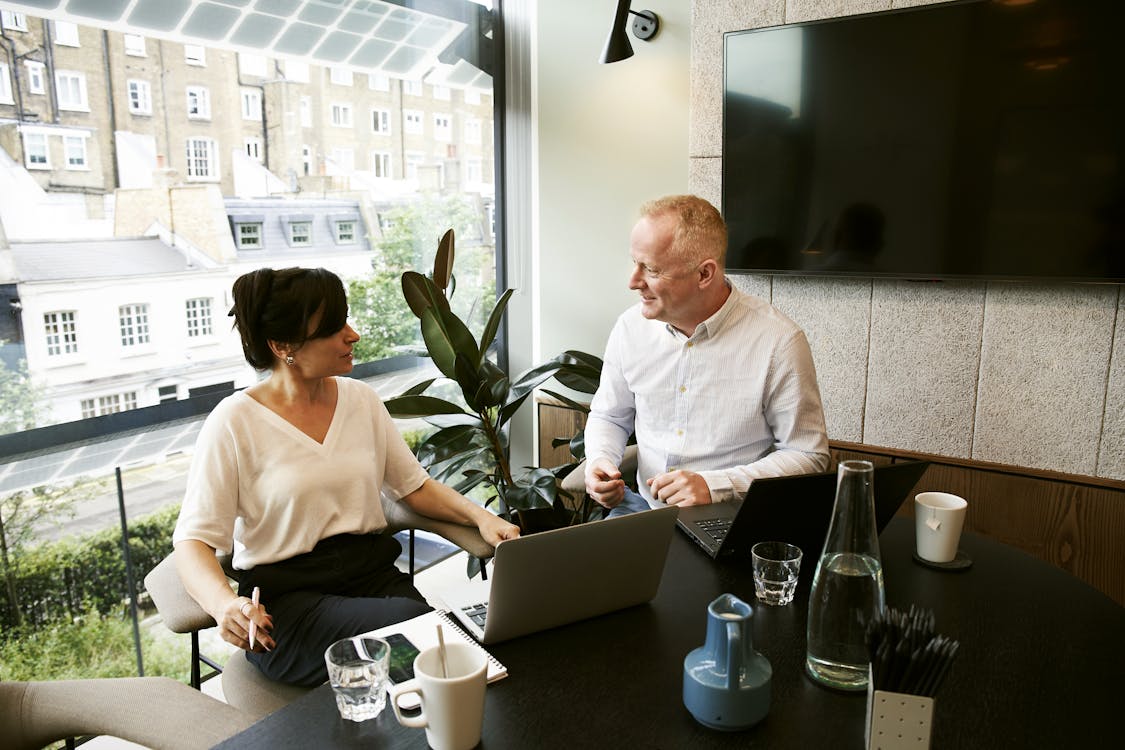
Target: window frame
x,y
251,100
28,151
36,77
68,38
198,317
141,104
192,160
381,165
342,115
381,121
133,326
196,55
248,240
65,339
6,85
199,99
135,45
83,165
79,78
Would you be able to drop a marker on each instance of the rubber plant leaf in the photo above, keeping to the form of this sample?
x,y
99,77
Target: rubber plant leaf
x,y
493,324
412,407
443,261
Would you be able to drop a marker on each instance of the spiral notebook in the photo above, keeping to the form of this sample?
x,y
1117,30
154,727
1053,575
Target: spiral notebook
x,y
422,632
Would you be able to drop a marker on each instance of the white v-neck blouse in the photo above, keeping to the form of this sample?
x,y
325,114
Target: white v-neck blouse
x,y
260,485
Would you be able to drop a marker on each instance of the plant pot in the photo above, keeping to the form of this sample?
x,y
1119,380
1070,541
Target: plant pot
x,y
534,520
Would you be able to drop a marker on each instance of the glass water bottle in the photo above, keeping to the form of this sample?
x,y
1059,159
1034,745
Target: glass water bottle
x,y
847,589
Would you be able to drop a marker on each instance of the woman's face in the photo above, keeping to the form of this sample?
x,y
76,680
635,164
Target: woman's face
x,y
326,355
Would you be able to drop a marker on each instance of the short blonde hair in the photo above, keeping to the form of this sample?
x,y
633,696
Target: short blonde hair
x,y
700,231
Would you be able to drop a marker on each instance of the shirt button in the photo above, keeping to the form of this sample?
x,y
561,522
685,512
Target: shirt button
x,y
679,432
690,344
683,388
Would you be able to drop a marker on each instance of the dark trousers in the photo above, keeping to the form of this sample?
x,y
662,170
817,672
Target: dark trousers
x,y
347,585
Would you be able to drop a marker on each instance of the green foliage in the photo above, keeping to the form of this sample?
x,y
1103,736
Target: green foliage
x,y
379,312
21,399
469,450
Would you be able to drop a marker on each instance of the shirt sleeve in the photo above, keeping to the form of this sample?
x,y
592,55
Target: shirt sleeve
x,y
403,474
794,412
613,408
210,505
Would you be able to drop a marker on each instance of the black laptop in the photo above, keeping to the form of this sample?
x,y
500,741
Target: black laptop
x,y
795,509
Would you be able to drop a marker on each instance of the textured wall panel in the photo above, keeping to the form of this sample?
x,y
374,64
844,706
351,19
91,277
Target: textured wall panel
x,y
797,11
925,356
834,314
1044,364
1111,452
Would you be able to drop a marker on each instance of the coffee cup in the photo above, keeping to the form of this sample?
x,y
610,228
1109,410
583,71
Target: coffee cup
x,y
938,518
452,699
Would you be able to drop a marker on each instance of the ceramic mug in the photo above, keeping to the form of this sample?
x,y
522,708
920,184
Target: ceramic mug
x,y
452,707
938,518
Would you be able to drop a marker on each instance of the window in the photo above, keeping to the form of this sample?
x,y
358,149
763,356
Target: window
x,y
472,96
135,45
198,103
381,121
75,148
198,312
133,320
342,115
441,93
306,112
297,71
413,160
36,155
62,333
252,65
443,129
251,104
110,404
36,77
413,88
195,55
202,159
66,34
472,130
378,83
248,235
71,88
5,86
140,97
345,232
13,21
253,146
474,170
381,164
340,76
344,159
412,120
300,232
306,159
168,392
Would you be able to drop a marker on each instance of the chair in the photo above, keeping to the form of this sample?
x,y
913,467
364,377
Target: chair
x,y
156,712
243,685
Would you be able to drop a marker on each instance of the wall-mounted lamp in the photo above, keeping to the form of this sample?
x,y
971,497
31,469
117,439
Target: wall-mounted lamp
x,y
645,26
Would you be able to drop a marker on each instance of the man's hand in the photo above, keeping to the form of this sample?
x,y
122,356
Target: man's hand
x,y
604,483
680,488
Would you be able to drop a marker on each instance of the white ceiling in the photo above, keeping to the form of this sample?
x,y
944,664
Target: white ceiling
x,y
365,35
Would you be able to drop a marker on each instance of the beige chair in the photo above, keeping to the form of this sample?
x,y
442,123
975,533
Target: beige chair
x,y
244,687
156,712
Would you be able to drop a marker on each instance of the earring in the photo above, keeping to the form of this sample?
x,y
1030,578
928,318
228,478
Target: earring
x,y
289,360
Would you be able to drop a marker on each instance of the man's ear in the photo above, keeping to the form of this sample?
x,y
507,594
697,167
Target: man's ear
x,y
707,272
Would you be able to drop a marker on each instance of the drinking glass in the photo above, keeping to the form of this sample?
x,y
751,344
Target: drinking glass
x,y
776,567
357,669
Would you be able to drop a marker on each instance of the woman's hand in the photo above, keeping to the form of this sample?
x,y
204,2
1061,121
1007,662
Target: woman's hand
x,y
234,624
495,529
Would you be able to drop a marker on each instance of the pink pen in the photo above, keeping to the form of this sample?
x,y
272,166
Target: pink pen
x,y
253,625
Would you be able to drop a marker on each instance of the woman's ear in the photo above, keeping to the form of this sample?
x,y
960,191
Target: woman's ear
x,y
280,350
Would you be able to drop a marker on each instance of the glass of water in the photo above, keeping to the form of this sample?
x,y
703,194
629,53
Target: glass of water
x,y
776,568
357,669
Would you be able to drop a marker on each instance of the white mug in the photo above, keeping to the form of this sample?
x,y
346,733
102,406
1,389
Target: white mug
x,y
938,518
452,706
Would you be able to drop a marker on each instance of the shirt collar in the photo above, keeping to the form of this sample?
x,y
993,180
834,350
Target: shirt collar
x,y
711,327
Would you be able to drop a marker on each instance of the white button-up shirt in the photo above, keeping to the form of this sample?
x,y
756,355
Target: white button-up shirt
x,y
735,401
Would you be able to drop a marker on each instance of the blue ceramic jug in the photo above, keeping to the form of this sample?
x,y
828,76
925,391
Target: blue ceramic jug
x,y
727,682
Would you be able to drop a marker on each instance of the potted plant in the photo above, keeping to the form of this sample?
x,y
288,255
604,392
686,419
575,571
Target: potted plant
x,y
470,447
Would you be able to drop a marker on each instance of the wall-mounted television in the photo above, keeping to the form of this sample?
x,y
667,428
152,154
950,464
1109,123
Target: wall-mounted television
x,y
980,139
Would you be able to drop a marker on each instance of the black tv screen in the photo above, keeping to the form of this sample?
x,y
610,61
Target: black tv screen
x,y
962,140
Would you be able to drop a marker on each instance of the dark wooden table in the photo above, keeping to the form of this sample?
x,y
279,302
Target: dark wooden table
x,y
1041,665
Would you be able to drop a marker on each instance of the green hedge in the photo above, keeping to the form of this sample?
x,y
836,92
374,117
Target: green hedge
x,y
61,581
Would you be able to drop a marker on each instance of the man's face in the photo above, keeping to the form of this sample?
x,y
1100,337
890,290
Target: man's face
x,y
668,287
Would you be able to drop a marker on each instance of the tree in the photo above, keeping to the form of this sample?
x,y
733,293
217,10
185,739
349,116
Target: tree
x,y
379,312
21,401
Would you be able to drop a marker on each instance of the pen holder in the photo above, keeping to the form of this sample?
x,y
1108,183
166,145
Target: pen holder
x,y
897,721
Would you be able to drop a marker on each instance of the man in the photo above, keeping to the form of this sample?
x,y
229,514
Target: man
x,y
719,386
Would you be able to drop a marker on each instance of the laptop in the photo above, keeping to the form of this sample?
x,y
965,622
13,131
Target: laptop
x,y
553,578
795,509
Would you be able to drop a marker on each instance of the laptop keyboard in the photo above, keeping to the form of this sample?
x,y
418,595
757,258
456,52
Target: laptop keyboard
x,y
716,528
476,612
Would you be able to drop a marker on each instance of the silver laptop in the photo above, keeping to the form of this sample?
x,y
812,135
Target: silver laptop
x,y
553,578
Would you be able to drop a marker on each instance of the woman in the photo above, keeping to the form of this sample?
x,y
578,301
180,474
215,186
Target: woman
x,y
289,473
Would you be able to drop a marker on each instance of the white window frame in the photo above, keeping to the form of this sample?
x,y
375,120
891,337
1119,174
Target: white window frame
x,y
248,235
344,159
473,130
135,45
377,82
66,34
36,155
296,71
307,158
342,115
202,159
78,160
345,231
110,403
472,96
196,55
412,121
299,233
441,93
36,77
411,161
412,88
140,96
197,314
305,110
132,323
381,164
443,127
254,148
70,86
13,20
474,171
340,76
5,86
380,121
251,104
251,64
199,100
60,329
